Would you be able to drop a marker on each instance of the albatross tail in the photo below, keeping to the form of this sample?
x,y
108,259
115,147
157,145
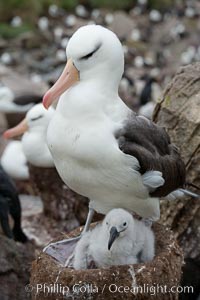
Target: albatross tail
x,y
180,193
189,193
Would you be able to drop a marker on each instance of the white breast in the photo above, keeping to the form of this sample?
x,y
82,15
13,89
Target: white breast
x,y
36,150
88,159
85,150
121,253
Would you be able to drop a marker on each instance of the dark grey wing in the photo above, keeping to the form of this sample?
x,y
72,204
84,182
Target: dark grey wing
x,y
27,99
151,145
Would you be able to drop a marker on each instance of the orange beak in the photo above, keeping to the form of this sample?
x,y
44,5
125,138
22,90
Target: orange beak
x,y
17,130
69,76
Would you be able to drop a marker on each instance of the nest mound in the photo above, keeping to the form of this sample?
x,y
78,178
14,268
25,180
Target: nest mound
x,y
157,279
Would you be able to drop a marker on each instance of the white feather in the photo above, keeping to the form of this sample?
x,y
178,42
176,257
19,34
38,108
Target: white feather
x,y
177,194
34,140
14,161
153,179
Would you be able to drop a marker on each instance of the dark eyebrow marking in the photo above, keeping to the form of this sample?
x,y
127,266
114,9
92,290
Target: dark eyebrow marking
x,y
91,53
37,118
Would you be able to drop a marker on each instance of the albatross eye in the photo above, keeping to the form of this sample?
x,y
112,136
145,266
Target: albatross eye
x,y
37,118
91,53
124,224
88,55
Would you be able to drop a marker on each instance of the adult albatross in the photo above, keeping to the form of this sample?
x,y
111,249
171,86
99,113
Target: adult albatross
x,y
101,149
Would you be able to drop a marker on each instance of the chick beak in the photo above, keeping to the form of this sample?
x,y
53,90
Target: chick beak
x,y
17,130
113,235
69,76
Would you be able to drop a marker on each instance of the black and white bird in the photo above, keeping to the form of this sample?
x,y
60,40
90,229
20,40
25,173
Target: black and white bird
x,y
101,148
10,206
119,240
146,93
149,96
18,93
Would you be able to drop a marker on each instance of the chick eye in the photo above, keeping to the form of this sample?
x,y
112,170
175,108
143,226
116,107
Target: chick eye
x,y
106,223
124,224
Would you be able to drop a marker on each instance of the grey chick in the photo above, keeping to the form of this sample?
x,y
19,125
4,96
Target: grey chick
x,y
119,240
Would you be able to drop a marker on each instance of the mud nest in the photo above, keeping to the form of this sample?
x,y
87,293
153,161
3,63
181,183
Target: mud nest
x,y
153,280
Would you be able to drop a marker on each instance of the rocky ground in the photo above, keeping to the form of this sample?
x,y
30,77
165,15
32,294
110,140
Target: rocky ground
x,y
155,43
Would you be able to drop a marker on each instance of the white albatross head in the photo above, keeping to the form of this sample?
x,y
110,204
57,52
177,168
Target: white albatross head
x,y
93,52
118,223
37,119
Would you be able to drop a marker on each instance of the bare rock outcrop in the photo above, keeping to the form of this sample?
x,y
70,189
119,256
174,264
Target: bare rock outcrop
x,y
179,112
15,262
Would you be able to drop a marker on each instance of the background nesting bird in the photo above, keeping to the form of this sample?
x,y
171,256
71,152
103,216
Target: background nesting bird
x,y
33,130
10,205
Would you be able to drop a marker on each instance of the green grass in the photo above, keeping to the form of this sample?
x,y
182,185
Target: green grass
x,y
68,4
160,4
113,4
9,32
29,10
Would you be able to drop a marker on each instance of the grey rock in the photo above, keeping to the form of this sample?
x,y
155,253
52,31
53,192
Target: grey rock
x,y
122,25
15,261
